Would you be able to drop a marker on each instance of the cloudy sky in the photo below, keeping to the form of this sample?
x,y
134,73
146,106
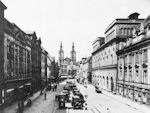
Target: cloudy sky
x,y
78,21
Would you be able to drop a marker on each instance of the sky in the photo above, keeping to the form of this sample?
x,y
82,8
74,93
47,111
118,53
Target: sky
x,y
68,21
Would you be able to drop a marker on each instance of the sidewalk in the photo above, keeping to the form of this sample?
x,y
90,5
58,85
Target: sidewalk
x,y
143,108
135,105
14,107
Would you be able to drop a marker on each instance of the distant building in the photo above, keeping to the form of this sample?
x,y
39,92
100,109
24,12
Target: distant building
x,y
50,59
67,65
82,72
44,55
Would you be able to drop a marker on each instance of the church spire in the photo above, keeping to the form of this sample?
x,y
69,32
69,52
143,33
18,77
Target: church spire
x,y
61,48
73,53
73,48
61,54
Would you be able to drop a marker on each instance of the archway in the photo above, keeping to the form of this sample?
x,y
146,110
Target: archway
x,y
112,84
103,81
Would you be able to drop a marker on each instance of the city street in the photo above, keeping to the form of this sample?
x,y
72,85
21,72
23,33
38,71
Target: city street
x,y
97,103
90,43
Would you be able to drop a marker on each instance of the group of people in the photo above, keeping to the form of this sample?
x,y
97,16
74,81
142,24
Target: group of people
x,y
54,87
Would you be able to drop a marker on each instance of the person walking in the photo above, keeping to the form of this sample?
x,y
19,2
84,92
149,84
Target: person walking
x,y
55,87
19,107
45,95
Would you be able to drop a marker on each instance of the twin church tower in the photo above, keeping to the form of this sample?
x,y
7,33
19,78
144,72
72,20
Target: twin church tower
x,y
61,54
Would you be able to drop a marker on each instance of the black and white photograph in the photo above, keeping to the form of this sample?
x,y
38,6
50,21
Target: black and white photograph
x,y
74,56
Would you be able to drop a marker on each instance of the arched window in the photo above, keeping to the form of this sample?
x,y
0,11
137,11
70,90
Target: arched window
x,y
103,81
107,83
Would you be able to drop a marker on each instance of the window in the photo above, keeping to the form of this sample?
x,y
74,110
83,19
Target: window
x,y
8,47
130,77
130,59
104,81
145,56
137,57
111,59
144,76
125,60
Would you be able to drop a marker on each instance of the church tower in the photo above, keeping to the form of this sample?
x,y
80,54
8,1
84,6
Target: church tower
x,y
61,54
73,53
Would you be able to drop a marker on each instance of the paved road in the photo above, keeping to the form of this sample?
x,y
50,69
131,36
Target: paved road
x,y
97,103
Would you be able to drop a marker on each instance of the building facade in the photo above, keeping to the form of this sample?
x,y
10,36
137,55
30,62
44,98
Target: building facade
x,y
104,59
36,61
21,70
134,65
50,59
44,55
65,64
82,72
89,76
2,8
17,64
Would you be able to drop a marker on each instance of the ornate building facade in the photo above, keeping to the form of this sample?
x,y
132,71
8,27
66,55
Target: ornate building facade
x,y
134,65
104,57
17,63
66,64
20,62
2,9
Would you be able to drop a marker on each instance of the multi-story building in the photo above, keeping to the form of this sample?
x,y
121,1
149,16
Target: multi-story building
x,y
20,62
134,65
44,55
17,76
36,61
82,72
50,59
104,59
2,8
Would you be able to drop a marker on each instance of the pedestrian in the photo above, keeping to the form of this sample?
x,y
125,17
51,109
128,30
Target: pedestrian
x,y
29,102
19,107
45,96
108,111
41,92
55,87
